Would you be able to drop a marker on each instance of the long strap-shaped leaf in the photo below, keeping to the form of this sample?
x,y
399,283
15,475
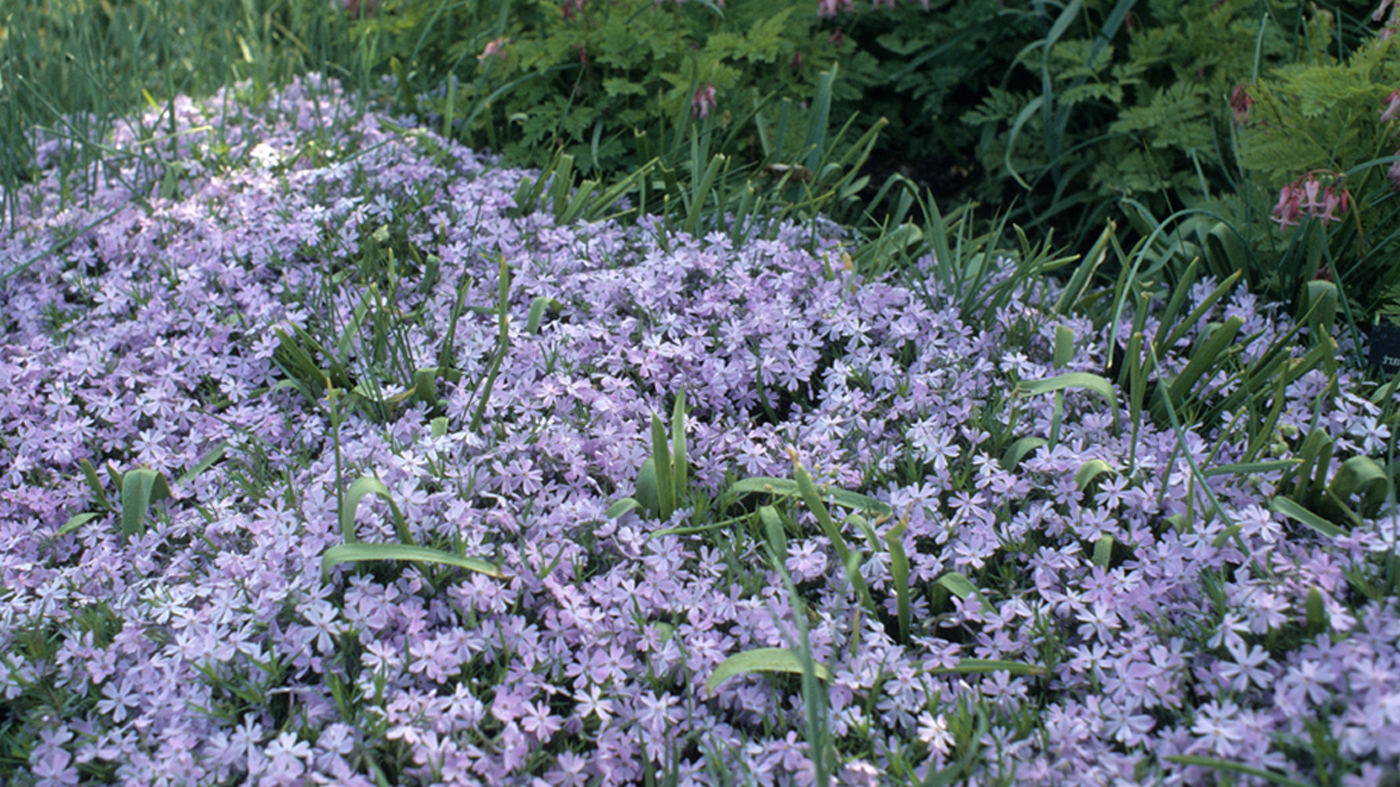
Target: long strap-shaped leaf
x,y
357,552
760,660
140,488
369,485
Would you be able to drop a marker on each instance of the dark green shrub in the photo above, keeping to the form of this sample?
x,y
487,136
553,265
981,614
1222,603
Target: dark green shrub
x,y
1321,135
586,76
1130,100
932,65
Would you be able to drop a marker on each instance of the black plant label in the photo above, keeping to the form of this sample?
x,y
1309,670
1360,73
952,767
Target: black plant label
x,y
1385,348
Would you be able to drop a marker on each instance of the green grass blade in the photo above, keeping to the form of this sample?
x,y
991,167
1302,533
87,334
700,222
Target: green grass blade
x,y
359,553
962,587
661,458
680,468
899,571
140,488
760,660
1226,765
983,666
787,486
363,486
1293,510
1084,380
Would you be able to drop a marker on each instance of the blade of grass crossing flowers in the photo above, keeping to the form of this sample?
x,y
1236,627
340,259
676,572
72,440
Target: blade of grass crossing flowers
x,y
98,492
1293,510
814,503
205,462
787,486
1201,480
502,344
1084,380
815,701
76,521
1064,346
986,666
363,486
1208,356
761,660
1168,334
140,488
360,553
962,587
1079,282
899,571
1236,767
661,462
680,468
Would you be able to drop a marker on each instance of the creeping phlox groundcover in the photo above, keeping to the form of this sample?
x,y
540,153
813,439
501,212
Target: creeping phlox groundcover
x,y
194,638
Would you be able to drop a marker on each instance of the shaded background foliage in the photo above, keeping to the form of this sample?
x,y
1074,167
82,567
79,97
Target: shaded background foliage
x,y
1062,116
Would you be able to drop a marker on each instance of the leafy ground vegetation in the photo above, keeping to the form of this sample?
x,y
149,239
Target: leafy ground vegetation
x,y
336,451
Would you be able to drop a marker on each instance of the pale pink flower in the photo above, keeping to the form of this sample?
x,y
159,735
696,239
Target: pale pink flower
x,y
493,48
1308,196
704,101
1240,102
1392,104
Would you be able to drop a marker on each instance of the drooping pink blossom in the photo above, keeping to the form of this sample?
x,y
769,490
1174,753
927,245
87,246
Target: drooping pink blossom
x,y
1309,196
1392,105
1240,102
704,101
493,49
359,9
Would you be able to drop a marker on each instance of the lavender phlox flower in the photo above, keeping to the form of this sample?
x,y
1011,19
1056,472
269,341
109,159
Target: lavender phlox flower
x,y
1246,667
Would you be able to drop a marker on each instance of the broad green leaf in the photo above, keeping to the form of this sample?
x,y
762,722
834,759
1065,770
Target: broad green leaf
x,y
1084,380
98,492
359,552
140,488
760,660
962,587
1317,618
1092,469
1103,551
646,493
369,485
214,455
661,464
1228,765
1362,475
1064,346
537,307
76,522
1018,451
787,486
680,469
621,507
978,666
899,571
1296,512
